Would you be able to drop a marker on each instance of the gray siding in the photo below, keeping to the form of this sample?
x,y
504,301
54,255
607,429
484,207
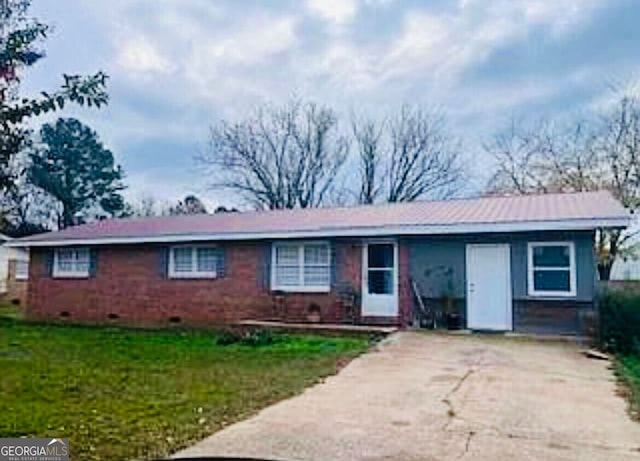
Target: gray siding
x,y
428,254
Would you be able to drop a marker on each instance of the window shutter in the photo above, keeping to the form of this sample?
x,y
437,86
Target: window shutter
x,y
334,263
220,263
93,262
163,261
49,261
265,273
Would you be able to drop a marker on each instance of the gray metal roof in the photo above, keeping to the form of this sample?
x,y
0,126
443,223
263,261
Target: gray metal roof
x,y
586,210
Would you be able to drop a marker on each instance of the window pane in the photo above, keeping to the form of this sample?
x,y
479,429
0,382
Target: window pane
x,y
65,255
206,259
380,255
316,254
287,255
316,276
22,269
182,259
82,266
82,260
287,276
381,282
65,260
547,280
551,256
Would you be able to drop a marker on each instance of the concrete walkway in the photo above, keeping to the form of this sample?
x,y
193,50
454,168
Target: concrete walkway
x,y
425,397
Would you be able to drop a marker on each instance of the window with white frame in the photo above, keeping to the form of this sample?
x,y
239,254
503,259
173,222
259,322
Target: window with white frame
x,y
71,262
552,269
301,267
193,262
22,269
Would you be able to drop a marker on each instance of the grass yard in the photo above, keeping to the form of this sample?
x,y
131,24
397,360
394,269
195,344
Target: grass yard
x,y
128,394
629,371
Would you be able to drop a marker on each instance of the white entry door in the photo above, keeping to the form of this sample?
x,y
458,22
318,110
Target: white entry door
x,y
380,279
489,287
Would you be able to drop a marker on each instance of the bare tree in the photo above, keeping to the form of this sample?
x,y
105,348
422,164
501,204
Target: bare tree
x,y
517,154
147,206
543,157
367,135
618,147
602,153
280,157
406,157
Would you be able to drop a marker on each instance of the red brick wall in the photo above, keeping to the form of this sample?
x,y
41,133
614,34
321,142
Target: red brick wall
x,y
404,279
129,286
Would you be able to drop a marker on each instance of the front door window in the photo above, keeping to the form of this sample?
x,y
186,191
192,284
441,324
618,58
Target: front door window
x,y
380,268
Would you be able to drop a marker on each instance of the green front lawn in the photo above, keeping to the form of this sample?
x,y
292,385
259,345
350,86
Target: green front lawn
x,y
629,371
130,394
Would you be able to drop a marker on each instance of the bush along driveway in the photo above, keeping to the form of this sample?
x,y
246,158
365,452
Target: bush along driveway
x,y
620,335
127,394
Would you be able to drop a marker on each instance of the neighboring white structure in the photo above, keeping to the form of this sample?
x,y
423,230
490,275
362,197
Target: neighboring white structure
x,y
627,268
21,255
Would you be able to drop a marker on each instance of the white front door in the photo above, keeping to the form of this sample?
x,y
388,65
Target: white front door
x,y
380,279
489,287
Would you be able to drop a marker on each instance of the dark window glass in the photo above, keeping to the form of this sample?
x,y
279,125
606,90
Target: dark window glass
x,y
380,255
551,256
546,280
381,282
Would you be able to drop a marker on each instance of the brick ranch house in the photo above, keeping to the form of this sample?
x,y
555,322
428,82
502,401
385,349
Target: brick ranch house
x,y
523,263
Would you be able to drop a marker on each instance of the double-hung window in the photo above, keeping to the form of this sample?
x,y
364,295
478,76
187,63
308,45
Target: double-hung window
x,y
22,269
193,262
301,267
71,262
552,269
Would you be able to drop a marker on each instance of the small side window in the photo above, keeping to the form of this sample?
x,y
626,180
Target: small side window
x,y
552,269
71,262
193,262
22,269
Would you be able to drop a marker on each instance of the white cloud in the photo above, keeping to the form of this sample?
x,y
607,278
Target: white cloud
x,y
228,61
137,55
255,41
337,11
200,59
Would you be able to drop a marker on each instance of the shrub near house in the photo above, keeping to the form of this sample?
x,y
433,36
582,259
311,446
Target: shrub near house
x,y
620,322
620,334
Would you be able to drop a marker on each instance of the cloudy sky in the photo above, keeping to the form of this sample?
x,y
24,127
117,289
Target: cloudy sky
x,y
177,66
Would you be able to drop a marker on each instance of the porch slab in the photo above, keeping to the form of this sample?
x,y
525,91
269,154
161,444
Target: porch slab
x,y
318,327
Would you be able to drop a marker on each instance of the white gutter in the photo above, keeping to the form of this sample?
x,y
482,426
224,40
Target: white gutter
x,y
378,231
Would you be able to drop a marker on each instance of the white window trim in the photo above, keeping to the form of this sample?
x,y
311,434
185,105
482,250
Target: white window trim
x,y
194,274
299,288
21,276
572,270
57,273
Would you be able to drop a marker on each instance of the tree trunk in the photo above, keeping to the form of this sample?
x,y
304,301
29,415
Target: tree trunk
x,y
67,218
604,270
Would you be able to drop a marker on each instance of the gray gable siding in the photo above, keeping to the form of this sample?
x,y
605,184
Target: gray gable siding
x,y
427,254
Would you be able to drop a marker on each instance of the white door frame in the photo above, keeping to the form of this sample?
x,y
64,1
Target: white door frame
x,y
369,300
470,284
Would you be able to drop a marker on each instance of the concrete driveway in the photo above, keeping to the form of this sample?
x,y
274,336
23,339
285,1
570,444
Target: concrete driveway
x,y
422,396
